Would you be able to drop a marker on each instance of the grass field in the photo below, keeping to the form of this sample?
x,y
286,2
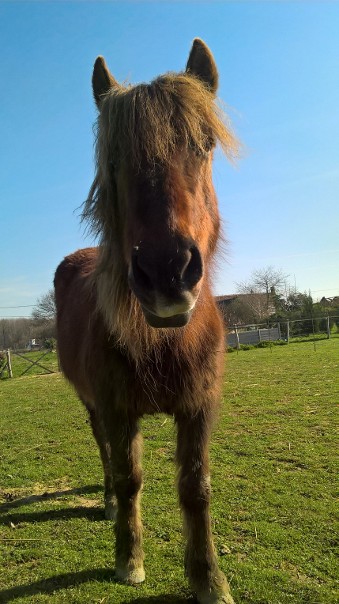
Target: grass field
x,y
273,480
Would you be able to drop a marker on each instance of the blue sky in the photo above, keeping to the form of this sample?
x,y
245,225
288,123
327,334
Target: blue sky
x,y
279,76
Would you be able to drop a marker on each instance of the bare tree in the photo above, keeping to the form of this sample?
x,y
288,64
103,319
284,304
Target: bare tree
x,y
44,317
45,310
269,281
244,309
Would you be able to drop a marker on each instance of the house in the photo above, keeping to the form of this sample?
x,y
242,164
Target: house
x,y
240,309
33,344
329,302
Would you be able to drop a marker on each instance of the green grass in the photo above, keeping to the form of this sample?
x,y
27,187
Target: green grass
x,y
273,477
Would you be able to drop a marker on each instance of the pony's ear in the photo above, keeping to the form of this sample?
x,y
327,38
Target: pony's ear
x,y
201,63
102,80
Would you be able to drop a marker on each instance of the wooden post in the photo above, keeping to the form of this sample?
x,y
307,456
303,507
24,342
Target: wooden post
x,y
237,338
9,364
288,332
328,327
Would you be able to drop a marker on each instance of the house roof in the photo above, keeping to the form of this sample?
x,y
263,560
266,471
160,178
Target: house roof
x,y
330,301
228,297
234,296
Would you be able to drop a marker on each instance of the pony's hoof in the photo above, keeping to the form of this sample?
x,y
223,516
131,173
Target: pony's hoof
x,y
135,576
227,599
218,593
215,599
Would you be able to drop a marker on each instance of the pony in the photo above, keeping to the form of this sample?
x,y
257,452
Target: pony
x,y
137,325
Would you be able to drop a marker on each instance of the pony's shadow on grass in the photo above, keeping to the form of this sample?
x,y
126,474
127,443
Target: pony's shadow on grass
x,y
31,499
47,586
93,514
101,575
161,599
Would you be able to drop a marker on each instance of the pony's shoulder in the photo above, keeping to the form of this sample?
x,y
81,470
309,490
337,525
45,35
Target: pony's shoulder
x,y
82,260
81,263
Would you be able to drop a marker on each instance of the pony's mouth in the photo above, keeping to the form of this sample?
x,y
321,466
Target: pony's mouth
x,y
154,320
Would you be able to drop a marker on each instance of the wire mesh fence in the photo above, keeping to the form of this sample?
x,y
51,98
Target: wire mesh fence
x,y
283,330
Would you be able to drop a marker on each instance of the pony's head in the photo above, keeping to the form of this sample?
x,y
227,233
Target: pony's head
x,y
153,202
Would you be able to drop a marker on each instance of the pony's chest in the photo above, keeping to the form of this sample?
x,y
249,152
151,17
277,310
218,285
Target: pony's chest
x,y
159,389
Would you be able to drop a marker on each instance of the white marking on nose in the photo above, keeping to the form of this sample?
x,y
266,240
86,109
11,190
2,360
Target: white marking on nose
x,y
163,309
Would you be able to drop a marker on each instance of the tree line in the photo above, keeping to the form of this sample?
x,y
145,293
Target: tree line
x,y
19,333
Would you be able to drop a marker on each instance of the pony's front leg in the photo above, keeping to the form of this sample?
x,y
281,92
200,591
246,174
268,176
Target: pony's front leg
x,y
201,564
106,458
126,444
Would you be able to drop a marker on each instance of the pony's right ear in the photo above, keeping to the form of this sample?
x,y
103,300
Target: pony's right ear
x,y
202,64
102,80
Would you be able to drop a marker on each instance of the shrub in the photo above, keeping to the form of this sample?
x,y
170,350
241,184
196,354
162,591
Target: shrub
x,y
50,344
265,344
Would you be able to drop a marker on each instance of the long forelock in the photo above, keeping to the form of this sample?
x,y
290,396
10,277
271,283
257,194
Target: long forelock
x,y
148,122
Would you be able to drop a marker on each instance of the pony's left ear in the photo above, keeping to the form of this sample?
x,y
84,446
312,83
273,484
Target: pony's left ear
x,y
201,63
102,80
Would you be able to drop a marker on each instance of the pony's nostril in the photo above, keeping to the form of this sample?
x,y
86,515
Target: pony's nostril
x,y
140,275
193,270
182,263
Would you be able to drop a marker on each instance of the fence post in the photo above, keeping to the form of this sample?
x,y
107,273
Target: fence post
x,y
288,332
237,338
328,327
9,364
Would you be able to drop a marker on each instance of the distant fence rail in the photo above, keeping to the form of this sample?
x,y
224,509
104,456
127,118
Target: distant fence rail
x,y
32,363
6,365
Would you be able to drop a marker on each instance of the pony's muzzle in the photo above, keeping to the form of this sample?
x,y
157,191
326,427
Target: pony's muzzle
x,y
166,284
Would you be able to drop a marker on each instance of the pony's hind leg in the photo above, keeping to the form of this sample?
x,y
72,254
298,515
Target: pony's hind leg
x,y
201,564
106,458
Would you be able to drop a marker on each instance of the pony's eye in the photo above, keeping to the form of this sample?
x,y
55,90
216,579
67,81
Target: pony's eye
x,y
209,143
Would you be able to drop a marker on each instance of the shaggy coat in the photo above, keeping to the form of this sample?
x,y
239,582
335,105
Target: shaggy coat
x,y
138,327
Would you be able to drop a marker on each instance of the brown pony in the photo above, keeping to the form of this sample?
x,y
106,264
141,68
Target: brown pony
x,y
138,327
